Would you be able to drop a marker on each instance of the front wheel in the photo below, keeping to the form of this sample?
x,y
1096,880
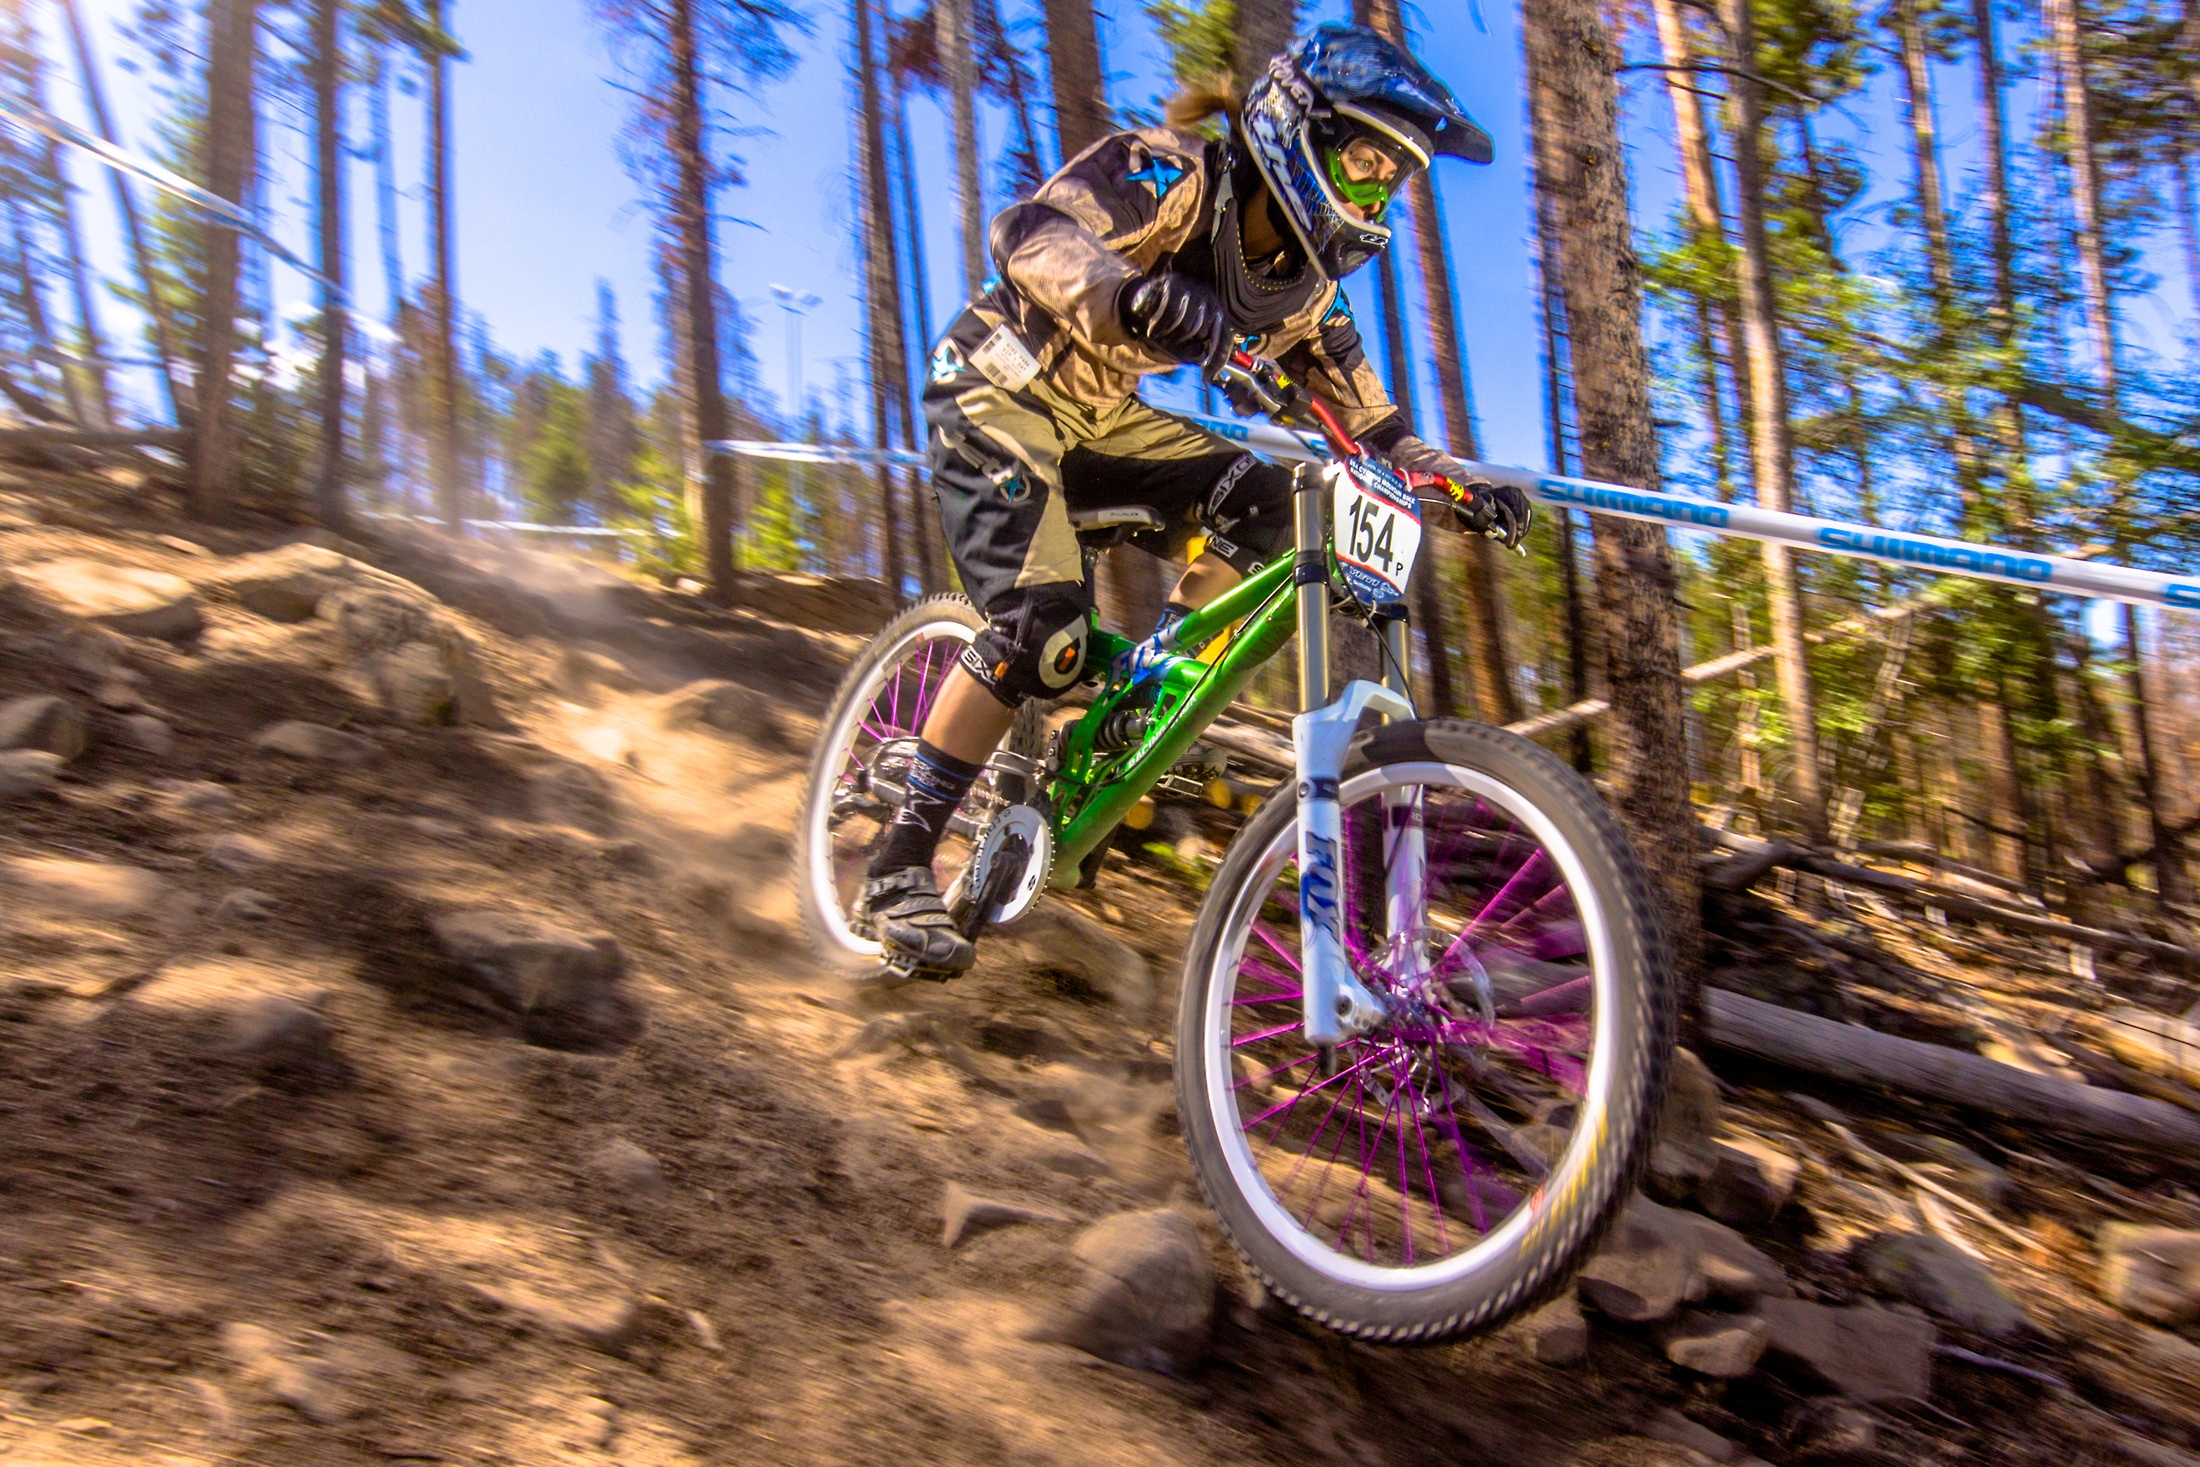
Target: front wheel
x,y
1454,1164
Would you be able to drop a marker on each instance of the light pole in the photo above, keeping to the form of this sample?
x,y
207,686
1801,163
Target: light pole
x,y
796,304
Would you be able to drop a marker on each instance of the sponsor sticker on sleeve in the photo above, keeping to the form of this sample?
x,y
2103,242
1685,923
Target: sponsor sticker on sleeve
x,y
1006,362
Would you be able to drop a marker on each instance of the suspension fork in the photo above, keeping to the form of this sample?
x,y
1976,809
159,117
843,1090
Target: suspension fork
x,y
1336,1005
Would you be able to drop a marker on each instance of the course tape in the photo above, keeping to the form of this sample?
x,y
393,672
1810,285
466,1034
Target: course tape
x,y
207,202
1685,511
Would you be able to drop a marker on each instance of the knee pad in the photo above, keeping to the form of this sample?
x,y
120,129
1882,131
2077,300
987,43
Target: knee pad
x,y
1248,514
1033,645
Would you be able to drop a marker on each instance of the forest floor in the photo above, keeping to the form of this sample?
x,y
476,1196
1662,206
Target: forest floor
x,y
284,1180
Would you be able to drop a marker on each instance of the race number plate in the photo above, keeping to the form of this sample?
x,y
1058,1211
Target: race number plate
x,y
1377,525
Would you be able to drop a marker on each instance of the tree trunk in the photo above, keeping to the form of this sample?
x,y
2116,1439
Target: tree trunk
x,y
328,228
443,426
882,289
1554,409
232,47
2172,882
156,305
1574,103
1771,449
1263,27
385,183
698,279
94,361
923,522
953,18
1073,65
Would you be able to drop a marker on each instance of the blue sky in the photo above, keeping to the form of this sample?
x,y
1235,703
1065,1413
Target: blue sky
x,y
544,207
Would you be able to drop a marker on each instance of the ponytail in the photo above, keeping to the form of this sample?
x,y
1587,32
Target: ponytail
x,y
1201,101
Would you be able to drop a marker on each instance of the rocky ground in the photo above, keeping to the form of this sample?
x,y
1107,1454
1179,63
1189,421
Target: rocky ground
x,y
407,1053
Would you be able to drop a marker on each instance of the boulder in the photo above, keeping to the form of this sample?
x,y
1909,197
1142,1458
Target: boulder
x,y
81,889
582,669
125,598
1554,1334
2153,1273
1658,1258
313,741
240,854
284,584
628,1170
42,721
1866,1353
564,985
1722,1346
1940,1278
414,684
202,798
27,772
1060,939
1147,1299
965,1214
1750,1182
1684,1155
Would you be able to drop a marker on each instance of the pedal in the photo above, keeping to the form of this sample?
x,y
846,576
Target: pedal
x,y
909,973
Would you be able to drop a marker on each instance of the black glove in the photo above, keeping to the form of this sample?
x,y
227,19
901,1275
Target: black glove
x,y
1176,316
1498,511
1276,397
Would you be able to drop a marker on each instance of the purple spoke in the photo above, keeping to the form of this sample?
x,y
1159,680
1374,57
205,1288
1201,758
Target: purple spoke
x,y
1405,1178
1468,1169
1284,982
1260,930
1428,1174
1345,1074
1263,1034
1330,1165
1506,890
1291,997
1560,998
1312,1142
1279,1069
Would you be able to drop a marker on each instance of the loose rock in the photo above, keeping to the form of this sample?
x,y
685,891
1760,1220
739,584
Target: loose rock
x,y
1937,1276
147,734
1067,942
282,1035
285,584
582,669
2153,1273
576,795
727,707
564,984
1832,1430
965,1214
285,1372
1723,1346
1867,1353
27,772
629,1169
1750,1182
313,741
1148,1296
82,888
135,602
1555,1334
245,905
1659,1258
1671,1427
240,854
1955,1166
201,797
42,722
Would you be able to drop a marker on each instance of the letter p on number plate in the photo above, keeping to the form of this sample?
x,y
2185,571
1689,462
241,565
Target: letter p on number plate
x,y
1376,525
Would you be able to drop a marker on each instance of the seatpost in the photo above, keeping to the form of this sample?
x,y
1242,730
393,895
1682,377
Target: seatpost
x,y
1310,580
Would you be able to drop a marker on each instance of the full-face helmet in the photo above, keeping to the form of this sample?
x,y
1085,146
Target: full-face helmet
x,y
1336,126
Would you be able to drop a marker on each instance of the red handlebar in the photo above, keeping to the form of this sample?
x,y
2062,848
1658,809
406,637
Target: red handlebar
x,y
1341,443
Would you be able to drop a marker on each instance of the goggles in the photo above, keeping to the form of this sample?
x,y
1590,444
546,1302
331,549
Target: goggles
x,y
1367,169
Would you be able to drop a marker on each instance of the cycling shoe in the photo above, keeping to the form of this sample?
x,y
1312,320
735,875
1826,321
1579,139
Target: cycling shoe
x,y
904,912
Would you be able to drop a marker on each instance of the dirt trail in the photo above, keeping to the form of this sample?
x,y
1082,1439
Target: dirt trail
x,y
285,1179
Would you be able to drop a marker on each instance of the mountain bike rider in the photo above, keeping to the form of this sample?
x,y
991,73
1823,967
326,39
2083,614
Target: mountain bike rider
x,y
1150,250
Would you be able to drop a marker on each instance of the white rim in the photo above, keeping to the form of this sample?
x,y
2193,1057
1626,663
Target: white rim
x,y
824,881
1215,1061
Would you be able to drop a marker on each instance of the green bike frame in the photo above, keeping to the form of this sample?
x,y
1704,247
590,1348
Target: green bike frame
x,y
1093,791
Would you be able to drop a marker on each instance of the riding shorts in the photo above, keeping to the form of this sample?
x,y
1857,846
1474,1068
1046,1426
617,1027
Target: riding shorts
x,y
1009,464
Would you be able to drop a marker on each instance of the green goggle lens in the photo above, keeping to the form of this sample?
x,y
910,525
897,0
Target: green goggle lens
x,y
1371,194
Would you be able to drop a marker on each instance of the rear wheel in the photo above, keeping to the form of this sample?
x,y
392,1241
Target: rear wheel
x,y
1451,1166
858,771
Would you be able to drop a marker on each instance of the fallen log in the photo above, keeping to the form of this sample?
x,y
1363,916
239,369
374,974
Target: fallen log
x,y
1851,1053
91,438
1955,903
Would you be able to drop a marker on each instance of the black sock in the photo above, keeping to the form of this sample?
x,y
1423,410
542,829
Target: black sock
x,y
937,783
